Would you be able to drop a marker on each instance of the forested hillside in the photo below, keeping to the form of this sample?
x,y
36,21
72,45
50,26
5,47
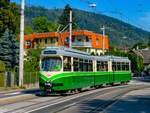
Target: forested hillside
x,y
91,21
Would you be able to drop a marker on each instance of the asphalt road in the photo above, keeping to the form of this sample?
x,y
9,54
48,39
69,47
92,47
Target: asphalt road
x,y
90,101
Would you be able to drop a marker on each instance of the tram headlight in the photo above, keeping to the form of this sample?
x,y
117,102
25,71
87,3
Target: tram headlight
x,y
48,84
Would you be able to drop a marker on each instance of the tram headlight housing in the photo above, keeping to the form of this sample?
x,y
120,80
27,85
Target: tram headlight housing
x,y
48,84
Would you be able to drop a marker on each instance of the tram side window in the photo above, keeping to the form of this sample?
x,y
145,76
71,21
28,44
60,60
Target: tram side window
x,y
105,66
67,63
118,66
123,64
102,66
127,66
114,66
76,64
90,65
85,65
80,64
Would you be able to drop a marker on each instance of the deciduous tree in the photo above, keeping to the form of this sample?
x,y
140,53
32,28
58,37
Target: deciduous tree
x,y
9,17
42,24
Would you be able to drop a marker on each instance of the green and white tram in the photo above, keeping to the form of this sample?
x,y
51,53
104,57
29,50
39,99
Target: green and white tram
x,y
63,69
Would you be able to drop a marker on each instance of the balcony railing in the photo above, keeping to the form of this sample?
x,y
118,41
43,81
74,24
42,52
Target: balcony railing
x,y
82,44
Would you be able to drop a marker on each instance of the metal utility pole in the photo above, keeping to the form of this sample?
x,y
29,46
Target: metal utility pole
x,y
103,40
21,54
70,30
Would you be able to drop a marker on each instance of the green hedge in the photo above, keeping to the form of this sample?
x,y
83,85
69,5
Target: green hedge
x,y
2,79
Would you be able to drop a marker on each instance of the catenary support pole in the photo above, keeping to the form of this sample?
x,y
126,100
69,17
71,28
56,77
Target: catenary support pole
x,y
70,30
103,40
21,54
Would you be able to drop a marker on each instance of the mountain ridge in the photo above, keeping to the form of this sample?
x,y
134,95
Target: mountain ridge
x,y
93,21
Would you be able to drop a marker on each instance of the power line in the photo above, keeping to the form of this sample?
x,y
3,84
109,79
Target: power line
x,y
123,17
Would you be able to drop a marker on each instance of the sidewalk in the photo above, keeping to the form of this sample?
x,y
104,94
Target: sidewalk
x,y
133,102
144,79
11,90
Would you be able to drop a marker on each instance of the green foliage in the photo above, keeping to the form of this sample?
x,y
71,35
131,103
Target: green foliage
x,y
136,61
148,68
42,24
28,29
2,66
65,17
116,52
31,64
9,50
2,73
92,53
139,45
9,17
4,3
52,26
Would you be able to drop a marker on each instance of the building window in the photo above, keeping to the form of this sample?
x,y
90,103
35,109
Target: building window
x,y
97,41
40,40
46,41
67,40
28,42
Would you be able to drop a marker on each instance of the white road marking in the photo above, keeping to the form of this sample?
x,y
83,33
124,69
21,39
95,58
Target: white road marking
x,y
64,100
70,105
67,100
15,93
52,104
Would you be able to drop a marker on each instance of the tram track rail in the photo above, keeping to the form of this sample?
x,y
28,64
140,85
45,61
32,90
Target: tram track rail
x,y
55,100
72,101
102,106
68,100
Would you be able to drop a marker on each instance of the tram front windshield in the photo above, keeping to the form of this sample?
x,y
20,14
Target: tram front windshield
x,y
51,64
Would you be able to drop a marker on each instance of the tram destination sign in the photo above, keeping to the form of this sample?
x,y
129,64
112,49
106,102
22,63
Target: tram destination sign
x,y
50,52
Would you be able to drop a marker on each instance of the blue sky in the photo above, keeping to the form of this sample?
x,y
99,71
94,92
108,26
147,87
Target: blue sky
x,y
135,12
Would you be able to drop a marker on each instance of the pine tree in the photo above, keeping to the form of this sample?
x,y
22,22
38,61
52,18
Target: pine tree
x,y
9,50
64,18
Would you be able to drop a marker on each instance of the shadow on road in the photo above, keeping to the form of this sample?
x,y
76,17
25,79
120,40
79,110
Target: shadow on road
x,y
138,104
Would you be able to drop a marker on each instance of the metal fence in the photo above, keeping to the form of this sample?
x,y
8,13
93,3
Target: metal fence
x,y
11,79
31,79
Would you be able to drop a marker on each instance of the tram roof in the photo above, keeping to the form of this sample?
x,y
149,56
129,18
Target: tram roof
x,y
48,51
